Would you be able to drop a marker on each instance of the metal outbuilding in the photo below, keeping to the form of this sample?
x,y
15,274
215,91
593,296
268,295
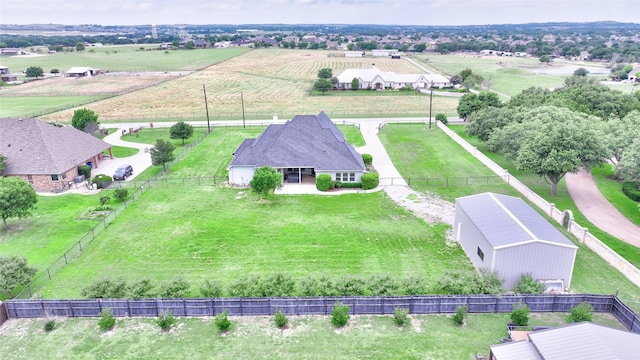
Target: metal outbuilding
x,y
503,234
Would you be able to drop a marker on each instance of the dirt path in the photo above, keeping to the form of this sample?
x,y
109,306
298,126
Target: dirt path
x,y
598,210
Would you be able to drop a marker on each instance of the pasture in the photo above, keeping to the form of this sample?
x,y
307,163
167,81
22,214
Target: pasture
x,y
272,81
22,106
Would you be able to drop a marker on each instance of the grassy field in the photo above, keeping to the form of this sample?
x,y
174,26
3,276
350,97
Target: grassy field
x,y
431,154
124,58
271,81
307,337
612,190
121,151
23,105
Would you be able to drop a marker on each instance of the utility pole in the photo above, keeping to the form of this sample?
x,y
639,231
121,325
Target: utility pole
x,y
430,103
206,106
242,100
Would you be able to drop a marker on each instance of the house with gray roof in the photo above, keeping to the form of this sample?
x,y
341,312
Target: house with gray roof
x,y
503,234
377,79
299,149
584,341
47,156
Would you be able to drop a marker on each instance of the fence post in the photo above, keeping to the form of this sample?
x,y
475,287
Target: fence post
x,y
65,258
48,273
551,207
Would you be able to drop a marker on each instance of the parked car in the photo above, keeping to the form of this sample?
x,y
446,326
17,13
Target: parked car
x,y
122,172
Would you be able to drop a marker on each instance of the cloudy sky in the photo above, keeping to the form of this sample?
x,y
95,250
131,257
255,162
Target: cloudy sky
x,y
401,12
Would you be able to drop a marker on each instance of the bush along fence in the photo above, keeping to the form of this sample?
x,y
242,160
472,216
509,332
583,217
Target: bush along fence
x,y
563,217
76,249
379,305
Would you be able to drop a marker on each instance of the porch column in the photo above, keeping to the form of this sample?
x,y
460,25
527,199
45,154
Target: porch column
x,y
299,176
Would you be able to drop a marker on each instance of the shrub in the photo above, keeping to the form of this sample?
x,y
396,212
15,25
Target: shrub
x,y
121,194
442,118
323,182
339,314
211,289
461,314
309,287
166,320
106,321
631,190
85,170
413,285
528,285
400,315
369,180
49,325
246,286
520,314
326,287
222,321
350,286
351,185
102,180
177,288
141,289
106,288
104,200
278,285
280,319
367,159
382,285
458,282
581,312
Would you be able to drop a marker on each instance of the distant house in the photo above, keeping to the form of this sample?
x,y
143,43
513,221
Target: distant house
x,y
266,40
12,51
303,147
634,75
201,43
384,53
242,42
503,234
584,341
375,78
78,71
6,75
354,54
47,156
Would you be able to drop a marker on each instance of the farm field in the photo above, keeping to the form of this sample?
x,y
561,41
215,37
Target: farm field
x,y
591,274
307,337
119,58
22,106
272,81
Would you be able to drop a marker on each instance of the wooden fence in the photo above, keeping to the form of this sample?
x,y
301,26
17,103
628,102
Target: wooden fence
x,y
379,305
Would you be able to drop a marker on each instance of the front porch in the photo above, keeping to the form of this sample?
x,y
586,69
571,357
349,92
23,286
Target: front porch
x,y
298,175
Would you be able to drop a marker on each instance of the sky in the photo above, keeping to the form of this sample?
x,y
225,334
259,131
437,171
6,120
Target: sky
x,y
399,12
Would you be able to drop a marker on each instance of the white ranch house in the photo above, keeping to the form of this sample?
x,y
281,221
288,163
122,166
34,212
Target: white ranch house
x,y
377,79
300,149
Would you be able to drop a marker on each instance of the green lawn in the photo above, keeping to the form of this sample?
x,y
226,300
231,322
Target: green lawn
x,y
125,58
121,151
307,337
11,106
612,190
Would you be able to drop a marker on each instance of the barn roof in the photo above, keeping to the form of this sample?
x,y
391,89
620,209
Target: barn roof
x,y
304,141
507,221
35,147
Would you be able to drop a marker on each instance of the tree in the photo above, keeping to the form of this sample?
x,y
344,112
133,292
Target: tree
x,y
54,71
85,120
551,142
545,59
323,85
629,167
190,45
620,133
419,47
17,198
181,130
3,163
265,180
14,271
34,71
455,79
581,72
79,46
325,73
162,153
355,84
470,103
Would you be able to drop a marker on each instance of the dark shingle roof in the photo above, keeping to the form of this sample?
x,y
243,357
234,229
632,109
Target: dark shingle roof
x,y
36,147
507,220
304,141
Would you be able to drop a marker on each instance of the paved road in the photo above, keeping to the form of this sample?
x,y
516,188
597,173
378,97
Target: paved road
x,y
595,207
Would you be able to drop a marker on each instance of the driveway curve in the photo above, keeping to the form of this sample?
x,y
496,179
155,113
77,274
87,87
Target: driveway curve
x,y
598,210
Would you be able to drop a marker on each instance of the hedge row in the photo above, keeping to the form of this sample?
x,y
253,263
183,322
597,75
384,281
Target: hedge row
x,y
632,190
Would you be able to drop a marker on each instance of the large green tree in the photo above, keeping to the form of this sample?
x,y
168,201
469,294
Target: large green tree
x,y
620,133
323,85
551,142
265,180
34,71
14,271
162,153
325,73
181,130
470,103
629,167
17,199
85,120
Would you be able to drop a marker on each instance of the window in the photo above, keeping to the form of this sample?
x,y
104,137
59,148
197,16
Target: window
x,y
345,177
480,254
30,179
352,176
54,177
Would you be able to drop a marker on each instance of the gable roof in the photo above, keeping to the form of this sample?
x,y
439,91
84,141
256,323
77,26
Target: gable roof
x,y
304,141
36,147
79,70
508,221
368,75
583,341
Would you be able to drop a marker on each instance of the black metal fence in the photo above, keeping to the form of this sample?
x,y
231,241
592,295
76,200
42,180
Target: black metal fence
x,y
380,305
456,181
